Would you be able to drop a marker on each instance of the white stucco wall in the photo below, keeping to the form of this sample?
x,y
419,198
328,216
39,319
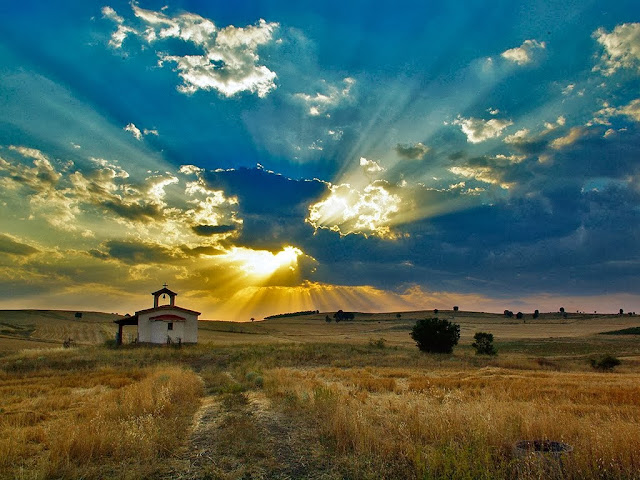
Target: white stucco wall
x,y
156,331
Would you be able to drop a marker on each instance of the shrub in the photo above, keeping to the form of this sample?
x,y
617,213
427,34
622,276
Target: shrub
x,y
435,335
605,364
484,344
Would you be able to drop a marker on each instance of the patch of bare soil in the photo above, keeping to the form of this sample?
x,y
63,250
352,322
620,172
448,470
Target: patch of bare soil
x,y
244,436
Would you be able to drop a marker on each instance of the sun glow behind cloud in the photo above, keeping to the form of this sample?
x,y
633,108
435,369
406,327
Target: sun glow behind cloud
x,y
419,144
260,264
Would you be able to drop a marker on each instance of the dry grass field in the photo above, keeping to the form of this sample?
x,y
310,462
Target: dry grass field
x,y
299,397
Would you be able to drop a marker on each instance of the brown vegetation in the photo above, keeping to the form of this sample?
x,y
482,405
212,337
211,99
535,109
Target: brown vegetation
x,y
107,422
356,408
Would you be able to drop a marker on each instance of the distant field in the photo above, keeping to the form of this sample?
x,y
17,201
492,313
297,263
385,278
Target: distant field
x,y
42,328
299,397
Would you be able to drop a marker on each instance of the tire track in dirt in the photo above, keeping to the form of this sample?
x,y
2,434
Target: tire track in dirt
x,y
244,436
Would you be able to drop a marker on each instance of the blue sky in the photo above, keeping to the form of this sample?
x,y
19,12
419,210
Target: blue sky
x,y
272,157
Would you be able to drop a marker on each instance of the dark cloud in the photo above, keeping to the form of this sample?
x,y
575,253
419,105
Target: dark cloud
x,y
273,207
12,247
99,254
201,250
209,230
414,152
263,192
137,253
132,211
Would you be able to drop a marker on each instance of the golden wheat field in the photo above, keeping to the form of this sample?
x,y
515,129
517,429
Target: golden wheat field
x,y
302,398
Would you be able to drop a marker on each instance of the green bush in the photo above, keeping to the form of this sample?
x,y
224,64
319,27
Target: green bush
x,y
484,344
435,335
605,364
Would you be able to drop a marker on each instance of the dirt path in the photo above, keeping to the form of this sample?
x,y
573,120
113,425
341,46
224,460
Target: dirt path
x,y
244,436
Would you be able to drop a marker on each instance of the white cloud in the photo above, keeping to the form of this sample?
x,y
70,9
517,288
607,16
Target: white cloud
x,y
621,48
632,110
524,53
370,166
509,159
482,174
560,122
575,134
346,210
518,137
603,116
135,131
335,134
330,97
228,58
478,130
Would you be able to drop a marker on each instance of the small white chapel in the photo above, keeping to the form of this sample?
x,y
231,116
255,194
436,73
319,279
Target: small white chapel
x,y
166,323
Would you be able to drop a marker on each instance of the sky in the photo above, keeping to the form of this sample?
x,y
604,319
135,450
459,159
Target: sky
x,y
271,156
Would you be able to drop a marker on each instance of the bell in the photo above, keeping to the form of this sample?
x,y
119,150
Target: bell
x,y
164,295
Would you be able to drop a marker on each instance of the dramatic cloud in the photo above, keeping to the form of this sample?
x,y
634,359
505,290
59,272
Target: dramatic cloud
x,y
388,166
524,53
208,230
413,152
12,246
68,196
330,97
228,59
621,48
136,252
348,210
478,130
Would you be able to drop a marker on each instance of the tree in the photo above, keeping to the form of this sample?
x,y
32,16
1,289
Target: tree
x,y
508,313
561,309
484,344
327,319
435,310
519,315
536,314
455,308
605,363
339,316
398,316
621,311
435,335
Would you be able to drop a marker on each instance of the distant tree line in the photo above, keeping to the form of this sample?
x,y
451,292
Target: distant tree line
x,y
294,314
